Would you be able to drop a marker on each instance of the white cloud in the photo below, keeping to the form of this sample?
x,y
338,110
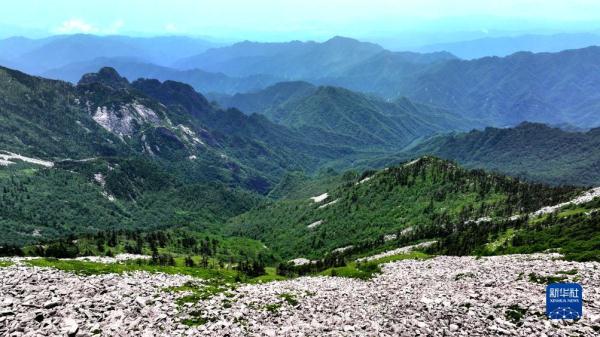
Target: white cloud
x,y
171,28
74,26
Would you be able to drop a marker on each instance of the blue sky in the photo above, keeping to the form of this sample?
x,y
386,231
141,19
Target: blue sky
x,y
271,20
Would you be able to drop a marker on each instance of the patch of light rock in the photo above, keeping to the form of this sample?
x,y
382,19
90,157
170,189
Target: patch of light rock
x,y
8,158
315,224
443,296
401,250
582,199
329,203
319,198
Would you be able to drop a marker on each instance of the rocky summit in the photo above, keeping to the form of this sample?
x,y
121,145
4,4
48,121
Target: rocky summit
x,y
441,296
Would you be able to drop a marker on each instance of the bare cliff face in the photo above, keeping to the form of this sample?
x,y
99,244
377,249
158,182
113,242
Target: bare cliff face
x,y
125,120
130,115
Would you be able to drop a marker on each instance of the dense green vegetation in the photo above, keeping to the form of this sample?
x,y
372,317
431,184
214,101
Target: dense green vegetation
x,y
573,231
356,119
94,268
297,185
199,188
531,151
44,204
575,234
422,195
267,98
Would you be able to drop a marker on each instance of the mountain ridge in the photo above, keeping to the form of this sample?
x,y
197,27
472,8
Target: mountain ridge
x,y
531,151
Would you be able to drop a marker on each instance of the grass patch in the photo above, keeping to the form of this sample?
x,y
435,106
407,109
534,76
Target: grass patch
x,y
502,240
362,271
515,314
196,318
571,212
461,276
201,291
273,308
367,270
568,272
96,268
270,276
289,298
535,278
414,255
4,264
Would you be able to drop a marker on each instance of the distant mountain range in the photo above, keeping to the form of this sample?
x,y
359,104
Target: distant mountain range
x,y
546,87
242,67
37,56
506,45
133,69
292,60
553,88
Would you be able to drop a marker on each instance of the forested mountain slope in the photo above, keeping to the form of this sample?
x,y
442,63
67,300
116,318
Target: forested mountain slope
x,y
532,151
72,198
402,200
110,156
262,100
365,119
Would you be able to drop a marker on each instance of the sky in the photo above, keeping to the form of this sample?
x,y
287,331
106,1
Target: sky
x,y
281,20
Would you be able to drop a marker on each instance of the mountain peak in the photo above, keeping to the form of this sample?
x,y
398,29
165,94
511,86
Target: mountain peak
x,y
338,38
107,76
341,41
172,92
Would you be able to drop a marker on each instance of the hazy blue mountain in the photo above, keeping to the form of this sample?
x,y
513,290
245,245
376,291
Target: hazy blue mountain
x,y
16,46
289,60
553,88
544,87
503,46
262,100
134,68
38,56
385,73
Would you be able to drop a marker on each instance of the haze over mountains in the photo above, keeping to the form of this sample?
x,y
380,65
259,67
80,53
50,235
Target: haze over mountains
x,y
277,108
554,88
348,94
40,55
506,45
